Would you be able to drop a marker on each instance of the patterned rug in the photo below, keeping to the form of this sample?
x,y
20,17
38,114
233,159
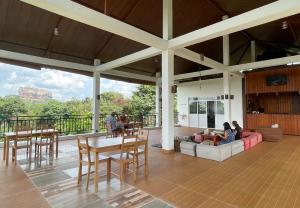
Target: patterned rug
x,y
57,182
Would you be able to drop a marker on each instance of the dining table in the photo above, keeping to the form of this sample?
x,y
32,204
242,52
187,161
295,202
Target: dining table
x,y
100,145
11,136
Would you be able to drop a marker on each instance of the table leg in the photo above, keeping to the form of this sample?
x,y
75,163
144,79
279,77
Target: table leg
x,y
7,152
56,148
146,170
96,172
4,148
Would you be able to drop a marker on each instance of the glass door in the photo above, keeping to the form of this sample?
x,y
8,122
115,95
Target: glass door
x,y
211,112
219,115
193,112
202,114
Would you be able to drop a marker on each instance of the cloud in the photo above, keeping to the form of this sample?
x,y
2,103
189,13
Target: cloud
x,y
63,85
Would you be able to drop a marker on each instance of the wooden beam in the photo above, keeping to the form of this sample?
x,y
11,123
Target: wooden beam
x,y
196,57
79,13
140,55
255,17
263,64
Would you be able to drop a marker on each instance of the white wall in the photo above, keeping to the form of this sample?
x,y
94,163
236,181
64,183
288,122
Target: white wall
x,y
209,88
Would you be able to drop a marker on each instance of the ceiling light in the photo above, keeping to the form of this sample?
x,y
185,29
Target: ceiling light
x,y
56,33
284,25
293,63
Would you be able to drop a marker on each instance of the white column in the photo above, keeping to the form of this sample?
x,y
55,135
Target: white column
x,y
157,100
167,80
167,100
253,51
226,77
96,98
167,19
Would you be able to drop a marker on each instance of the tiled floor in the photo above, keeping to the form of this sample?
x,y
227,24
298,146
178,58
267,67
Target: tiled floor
x,y
267,175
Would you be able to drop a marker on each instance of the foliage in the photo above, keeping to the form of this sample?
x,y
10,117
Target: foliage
x,y
11,106
142,101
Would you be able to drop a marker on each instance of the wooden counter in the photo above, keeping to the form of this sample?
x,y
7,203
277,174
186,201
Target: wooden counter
x,y
289,123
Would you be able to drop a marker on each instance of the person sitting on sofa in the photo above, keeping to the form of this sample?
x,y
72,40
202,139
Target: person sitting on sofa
x,y
237,129
229,134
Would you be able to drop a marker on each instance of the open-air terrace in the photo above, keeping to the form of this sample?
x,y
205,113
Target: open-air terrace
x,y
222,130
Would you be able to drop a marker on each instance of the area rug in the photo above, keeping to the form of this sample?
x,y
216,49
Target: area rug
x,y
157,145
57,182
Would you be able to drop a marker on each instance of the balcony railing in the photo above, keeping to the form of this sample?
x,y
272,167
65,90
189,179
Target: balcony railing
x,y
69,124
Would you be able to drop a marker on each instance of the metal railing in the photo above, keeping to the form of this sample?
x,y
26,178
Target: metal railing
x,y
69,124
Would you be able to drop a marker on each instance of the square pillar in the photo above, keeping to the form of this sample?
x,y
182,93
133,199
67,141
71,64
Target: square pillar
x,y
167,100
158,100
227,93
96,98
226,77
96,101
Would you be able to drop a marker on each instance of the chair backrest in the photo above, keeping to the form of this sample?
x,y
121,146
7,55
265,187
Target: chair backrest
x,y
129,144
143,134
83,147
23,132
45,133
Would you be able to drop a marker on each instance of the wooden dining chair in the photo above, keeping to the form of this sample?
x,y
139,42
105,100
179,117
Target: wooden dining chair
x,y
23,140
85,158
124,159
46,140
142,149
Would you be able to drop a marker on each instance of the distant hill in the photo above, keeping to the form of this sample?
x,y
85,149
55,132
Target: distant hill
x,y
34,94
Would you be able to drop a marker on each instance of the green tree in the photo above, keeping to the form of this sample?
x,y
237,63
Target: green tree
x,y
12,106
143,100
54,107
112,102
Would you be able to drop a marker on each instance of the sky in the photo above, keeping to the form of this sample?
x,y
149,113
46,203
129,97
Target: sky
x,y
63,85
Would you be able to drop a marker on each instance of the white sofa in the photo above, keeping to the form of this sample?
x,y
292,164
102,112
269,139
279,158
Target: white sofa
x,y
237,146
218,153
188,148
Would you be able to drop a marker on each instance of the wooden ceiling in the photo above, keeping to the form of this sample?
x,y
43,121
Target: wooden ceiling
x,y
30,30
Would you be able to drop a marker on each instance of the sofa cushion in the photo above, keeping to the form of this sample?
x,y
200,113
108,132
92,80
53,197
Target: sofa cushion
x,y
246,143
188,148
218,153
259,137
198,138
237,147
253,140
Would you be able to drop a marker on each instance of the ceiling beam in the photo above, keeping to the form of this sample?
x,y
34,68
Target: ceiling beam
x,y
263,64
52,63
197,74
45,62
79,13
255,17
130,75
140,55
198,58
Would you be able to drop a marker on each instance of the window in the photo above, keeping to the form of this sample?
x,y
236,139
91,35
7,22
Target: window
x,y
202,107
193,107
220,107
